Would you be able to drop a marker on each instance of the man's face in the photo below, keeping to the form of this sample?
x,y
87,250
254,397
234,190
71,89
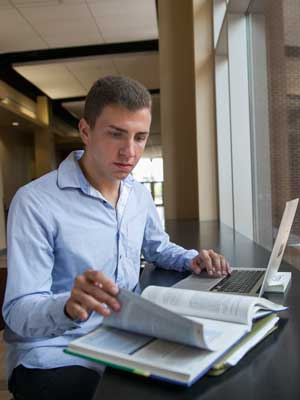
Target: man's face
x,y
117,141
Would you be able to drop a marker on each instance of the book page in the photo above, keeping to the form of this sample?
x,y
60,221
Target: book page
x,y
115,340
142,316
160,357
254,337
172,355
218,306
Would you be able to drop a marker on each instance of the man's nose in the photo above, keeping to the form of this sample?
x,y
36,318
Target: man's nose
x,y
128,149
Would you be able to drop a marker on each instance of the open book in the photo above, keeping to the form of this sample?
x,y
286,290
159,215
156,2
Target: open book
x,y
172,334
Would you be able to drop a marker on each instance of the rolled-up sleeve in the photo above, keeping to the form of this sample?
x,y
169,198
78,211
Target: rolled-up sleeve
x,y
30,308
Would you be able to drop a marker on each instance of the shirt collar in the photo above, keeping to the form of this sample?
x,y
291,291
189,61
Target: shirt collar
x,y
70,175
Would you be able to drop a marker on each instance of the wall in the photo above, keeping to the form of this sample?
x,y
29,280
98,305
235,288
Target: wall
x,y
205,109
2,213
17,160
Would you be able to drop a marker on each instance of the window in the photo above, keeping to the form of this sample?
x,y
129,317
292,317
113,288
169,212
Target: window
x,y
274,51
233,120
257,53
149,171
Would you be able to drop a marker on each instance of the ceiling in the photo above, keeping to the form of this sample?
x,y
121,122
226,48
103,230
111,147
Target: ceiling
x,y
71,78
42,24
60,47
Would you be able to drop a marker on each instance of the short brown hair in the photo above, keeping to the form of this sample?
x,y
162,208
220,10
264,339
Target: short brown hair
x,y
118,90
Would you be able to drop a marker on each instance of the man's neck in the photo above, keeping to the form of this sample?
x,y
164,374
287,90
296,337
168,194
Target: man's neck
x,y
109,189
111,195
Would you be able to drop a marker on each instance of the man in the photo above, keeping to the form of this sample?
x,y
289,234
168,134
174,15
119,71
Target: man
x,y
74,237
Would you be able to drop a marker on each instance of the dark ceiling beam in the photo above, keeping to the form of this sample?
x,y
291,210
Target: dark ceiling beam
x,y
15,80
64,114
78,52
18,82
154,91
71,99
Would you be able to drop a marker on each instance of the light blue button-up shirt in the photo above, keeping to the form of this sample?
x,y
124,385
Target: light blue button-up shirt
x,y
59,226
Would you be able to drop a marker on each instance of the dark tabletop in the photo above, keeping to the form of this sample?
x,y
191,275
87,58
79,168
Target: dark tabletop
x,y
270,371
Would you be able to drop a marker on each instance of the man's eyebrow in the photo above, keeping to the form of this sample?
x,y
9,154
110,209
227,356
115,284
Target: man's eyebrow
x,y
143,133
117,128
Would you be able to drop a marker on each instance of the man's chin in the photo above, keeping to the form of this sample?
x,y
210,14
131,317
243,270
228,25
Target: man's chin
x,y
121,175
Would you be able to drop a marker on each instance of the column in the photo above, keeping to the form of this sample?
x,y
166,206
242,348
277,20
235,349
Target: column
x,y
187,109
44,147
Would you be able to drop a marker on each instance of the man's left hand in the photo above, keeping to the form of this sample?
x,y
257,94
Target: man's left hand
x,y
215,264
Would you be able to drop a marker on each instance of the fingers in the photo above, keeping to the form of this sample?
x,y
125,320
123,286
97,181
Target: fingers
x,y
98,286
92,291
102,281
225,266
207,261
75,311
195,265
95,300
214,263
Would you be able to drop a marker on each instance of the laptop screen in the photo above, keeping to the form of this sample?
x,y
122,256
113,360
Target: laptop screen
x,y
280,242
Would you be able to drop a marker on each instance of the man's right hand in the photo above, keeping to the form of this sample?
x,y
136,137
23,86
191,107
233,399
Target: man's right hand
x,y
92,291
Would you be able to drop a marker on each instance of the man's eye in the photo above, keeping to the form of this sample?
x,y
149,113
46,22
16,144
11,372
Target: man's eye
x,y
116,134
140,138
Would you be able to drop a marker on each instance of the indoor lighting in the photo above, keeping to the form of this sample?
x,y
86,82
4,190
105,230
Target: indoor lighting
x,y
15,123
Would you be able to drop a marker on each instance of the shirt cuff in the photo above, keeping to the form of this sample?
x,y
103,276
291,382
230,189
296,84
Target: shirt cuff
x,y
190,254
58,316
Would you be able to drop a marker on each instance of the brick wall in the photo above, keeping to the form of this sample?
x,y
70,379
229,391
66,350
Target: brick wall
x,y
284,102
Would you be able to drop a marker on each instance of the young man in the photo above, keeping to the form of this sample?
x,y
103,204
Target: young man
x,y
75,236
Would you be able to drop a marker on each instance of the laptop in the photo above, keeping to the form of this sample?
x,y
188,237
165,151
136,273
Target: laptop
x,y
248,281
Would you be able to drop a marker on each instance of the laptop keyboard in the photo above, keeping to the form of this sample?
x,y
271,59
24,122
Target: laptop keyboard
x,y
239,281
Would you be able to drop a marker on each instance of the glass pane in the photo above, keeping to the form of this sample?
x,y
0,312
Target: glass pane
x,y
142,171
148,185
158,195
274,61
150,173
157,169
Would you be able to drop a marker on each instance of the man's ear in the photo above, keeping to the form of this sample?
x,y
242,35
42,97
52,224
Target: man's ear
x,y
84,130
